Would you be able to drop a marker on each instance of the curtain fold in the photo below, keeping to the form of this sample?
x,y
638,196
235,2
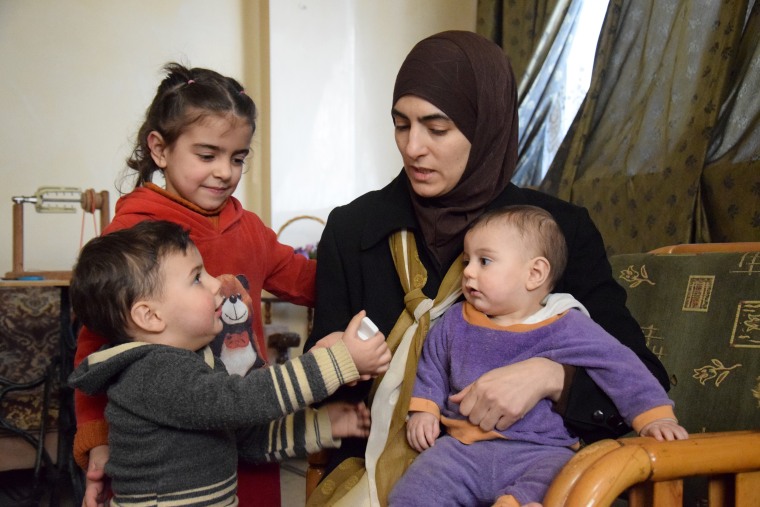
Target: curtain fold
x,y
731,179
542,95
516,25
636,154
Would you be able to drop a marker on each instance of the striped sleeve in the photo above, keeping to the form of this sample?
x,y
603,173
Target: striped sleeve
x,y
295,435
312,377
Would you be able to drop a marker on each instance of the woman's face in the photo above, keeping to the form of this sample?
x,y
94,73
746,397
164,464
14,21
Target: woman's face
x,y
434,150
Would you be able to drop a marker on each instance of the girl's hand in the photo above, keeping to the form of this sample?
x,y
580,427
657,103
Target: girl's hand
x,y
372,357
348,419
502,396
422,429
97,484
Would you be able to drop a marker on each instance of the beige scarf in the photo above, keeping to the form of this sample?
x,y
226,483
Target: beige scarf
x,y
357,482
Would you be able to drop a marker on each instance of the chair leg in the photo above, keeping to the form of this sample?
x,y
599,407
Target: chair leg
x,y
747,489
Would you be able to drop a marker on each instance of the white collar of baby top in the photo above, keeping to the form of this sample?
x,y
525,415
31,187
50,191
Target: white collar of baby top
x,y
554,304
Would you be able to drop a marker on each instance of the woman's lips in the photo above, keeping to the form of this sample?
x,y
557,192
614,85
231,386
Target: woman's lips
x,y
420,173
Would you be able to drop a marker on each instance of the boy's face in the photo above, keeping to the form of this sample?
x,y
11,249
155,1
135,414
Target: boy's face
x,y
191,303
497,267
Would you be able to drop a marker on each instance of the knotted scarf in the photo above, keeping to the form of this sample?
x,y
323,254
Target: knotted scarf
x,y
357,482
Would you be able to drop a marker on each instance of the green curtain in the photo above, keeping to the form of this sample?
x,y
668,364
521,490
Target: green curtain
x,y
516,25
543,94
731,178
665,74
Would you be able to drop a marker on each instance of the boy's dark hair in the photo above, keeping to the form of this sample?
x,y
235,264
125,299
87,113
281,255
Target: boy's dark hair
x,y
538,227
118,269
183,98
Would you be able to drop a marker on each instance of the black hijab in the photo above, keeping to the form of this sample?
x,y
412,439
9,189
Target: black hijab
x,y
470,79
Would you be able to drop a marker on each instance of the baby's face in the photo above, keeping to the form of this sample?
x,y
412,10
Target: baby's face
x,y
191,302
497,266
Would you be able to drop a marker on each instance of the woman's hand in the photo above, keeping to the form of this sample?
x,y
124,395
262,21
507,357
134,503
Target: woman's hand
x,y
504,395
97,487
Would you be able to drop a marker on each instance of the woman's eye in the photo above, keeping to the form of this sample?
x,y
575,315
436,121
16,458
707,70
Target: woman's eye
x,y
438,132
400,127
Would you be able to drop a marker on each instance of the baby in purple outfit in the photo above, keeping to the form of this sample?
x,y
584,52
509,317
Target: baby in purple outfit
x,y
513,257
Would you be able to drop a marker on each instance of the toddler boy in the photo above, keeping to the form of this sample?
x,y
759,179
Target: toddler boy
x,y
177,420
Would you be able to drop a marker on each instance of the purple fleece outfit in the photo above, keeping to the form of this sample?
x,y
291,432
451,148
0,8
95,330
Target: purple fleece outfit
x,y
457,352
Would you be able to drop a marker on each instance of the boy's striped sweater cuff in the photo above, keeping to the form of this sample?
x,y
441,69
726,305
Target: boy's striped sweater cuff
x,y
336,365
324,436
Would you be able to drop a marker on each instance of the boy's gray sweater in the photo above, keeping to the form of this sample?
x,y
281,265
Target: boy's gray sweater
x,y
178,421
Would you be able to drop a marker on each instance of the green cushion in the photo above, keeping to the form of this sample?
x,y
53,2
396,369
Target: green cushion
x,y
700,314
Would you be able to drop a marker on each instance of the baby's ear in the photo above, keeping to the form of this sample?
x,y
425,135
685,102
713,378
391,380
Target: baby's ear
x,y
145,318
539,273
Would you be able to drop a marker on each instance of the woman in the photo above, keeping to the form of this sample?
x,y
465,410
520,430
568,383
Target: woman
x,y
455,117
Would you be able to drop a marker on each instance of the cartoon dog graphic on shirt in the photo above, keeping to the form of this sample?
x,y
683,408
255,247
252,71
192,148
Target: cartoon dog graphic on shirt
x,y
236,345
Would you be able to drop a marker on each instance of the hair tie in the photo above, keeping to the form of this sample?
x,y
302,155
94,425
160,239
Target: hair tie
x,y
241,92
190,81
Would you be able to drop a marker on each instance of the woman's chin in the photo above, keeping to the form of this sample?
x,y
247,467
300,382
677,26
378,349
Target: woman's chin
x,y
426,190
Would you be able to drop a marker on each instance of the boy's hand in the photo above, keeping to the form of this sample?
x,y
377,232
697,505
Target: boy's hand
x,y
372,357
329,340
348,419
422,429
664,429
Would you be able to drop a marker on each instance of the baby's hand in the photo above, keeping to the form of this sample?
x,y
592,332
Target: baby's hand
x,y
348,419
422,429
372,356
664,429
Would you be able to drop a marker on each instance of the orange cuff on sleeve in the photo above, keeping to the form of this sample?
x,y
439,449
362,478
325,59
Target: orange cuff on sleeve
x,y
644,418
423,405
90,434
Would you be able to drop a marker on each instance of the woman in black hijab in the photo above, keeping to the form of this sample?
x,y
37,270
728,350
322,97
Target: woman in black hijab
x,y
395,253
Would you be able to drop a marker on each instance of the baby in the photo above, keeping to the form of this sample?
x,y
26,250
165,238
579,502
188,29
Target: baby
x,y
513,257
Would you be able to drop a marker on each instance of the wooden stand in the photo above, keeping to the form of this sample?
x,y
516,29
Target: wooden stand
x,y
90,201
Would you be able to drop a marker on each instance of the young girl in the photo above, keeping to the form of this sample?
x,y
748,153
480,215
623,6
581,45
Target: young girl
x,y
197,134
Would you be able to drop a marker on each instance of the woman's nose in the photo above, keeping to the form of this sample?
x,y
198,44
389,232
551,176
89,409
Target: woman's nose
x,y
415,143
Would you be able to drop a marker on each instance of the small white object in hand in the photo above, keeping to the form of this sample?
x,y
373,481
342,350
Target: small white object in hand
x,y
367,329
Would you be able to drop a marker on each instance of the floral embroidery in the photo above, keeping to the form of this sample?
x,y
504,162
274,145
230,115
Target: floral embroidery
x,y
635,278
717,371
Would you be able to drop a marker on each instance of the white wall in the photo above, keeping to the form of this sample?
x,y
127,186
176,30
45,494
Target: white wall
x,y
332,68
333,65
77,76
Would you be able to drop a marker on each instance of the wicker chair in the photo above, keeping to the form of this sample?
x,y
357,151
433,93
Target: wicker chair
x,y
699,307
